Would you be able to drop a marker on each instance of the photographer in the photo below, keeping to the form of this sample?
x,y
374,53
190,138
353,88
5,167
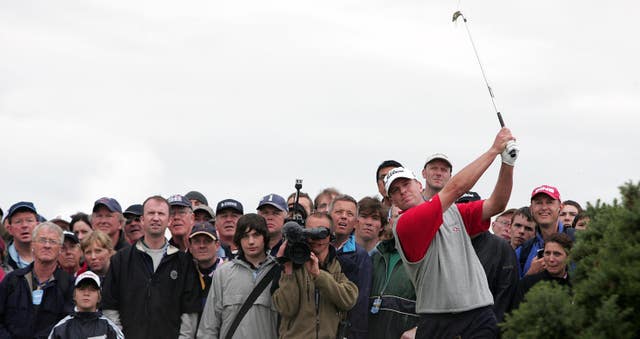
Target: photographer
x,y
312,297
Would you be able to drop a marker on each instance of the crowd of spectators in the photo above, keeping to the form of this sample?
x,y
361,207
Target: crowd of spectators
x,y
425,259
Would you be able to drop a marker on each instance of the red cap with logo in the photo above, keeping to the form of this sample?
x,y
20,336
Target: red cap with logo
x,y
548,190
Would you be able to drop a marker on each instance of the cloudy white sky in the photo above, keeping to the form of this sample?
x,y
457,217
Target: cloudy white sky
x,y
239,98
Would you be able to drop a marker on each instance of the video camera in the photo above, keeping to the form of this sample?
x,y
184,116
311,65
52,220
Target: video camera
x,y
298,250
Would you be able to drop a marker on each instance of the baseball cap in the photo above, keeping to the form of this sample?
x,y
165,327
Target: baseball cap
x,y
438,156
469,197
230,204
396,173
548,190
88,275
22,205
205,228
110,203
206,209
71,236
195,195
133,210
179,200
275,201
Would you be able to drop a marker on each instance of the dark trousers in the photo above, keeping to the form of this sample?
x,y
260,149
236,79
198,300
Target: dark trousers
x,y
478,323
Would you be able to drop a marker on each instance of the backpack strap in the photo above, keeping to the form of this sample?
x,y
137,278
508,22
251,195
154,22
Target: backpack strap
x,y
250,299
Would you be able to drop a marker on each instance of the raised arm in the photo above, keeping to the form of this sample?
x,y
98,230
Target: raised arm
x,y
469,175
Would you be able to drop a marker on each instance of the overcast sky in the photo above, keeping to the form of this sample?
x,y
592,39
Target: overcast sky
x,y
237,99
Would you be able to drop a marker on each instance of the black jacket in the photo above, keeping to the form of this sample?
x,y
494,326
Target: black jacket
x,y
500,265
86,325
150,303
19,318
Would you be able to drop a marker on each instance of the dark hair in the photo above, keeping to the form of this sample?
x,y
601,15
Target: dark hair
x,y
158,198
579,216
523,211
321,215
561,239
343,197
372,206
387,163
79,217
327,191
574,204
249,222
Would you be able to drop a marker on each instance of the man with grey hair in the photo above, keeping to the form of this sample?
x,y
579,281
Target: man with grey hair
x,y
34,298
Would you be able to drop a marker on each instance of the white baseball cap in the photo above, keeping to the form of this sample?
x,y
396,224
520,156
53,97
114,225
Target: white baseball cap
x,y
396,173
88,275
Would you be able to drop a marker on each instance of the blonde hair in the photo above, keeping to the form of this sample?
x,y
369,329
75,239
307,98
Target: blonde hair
x,y
99,238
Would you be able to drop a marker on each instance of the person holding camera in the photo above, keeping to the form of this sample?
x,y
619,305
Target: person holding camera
x,y
312,298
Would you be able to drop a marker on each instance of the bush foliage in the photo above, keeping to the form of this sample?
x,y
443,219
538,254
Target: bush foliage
x,y
605,298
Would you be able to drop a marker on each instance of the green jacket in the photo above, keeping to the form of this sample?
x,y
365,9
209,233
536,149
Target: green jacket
x,y
397,312
295,300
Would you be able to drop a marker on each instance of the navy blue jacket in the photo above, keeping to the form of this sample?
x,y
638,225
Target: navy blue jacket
x,y
19,318
357,266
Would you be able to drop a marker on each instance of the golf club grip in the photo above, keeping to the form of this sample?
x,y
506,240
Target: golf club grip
x,y
500,119
513,152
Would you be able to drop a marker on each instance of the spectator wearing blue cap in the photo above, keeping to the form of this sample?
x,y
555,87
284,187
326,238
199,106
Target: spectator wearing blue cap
x,y
107,217
228,211
273,208
22,218
181,220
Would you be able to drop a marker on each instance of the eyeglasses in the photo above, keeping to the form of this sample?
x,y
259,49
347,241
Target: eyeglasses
x,y
52,242
506,223
130,220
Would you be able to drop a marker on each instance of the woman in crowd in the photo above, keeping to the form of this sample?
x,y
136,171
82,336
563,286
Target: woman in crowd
x,y
80,225
97,249
556,251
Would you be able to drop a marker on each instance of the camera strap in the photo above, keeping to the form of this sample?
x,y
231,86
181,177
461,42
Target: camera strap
x,y
268,277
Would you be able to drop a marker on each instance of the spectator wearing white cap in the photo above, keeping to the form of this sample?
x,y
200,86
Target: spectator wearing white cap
x,y
86,321
436,173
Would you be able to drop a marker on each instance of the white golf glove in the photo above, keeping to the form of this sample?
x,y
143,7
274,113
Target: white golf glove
x,y
510,153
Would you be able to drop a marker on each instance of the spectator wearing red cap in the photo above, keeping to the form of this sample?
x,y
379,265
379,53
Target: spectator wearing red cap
x,y
545,209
